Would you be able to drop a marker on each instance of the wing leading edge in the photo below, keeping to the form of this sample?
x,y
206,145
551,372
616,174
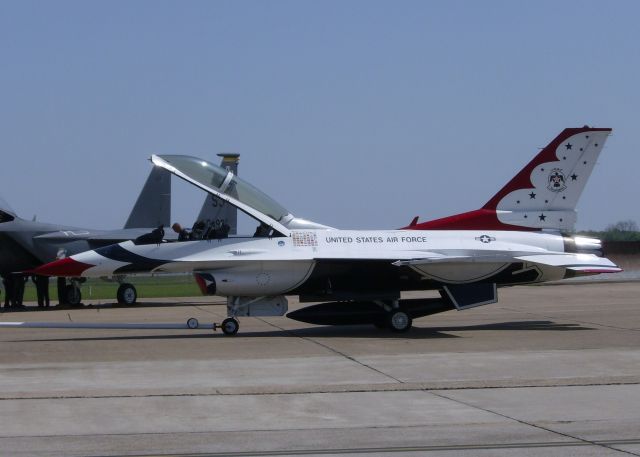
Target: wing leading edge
x,y
587,263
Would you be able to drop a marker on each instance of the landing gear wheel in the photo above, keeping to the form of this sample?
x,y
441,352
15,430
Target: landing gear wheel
x,y
193,323
399,321
72,295
127,294
230,326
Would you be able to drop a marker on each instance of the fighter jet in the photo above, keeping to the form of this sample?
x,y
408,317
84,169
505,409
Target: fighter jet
x,y
520,236
216,212
26,244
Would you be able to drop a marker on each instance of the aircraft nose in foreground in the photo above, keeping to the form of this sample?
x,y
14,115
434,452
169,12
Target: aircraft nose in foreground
x,y
64,267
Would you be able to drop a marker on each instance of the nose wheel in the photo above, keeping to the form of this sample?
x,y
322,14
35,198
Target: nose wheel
x,y
127,294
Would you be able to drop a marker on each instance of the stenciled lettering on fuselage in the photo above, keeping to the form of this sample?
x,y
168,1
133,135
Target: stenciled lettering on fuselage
x,y
304,239
374,239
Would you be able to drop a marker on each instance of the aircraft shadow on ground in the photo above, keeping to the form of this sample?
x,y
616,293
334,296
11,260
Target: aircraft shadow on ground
x,y
348,331
516,325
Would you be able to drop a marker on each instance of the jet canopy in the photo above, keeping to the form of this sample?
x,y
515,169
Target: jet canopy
x,y
225,185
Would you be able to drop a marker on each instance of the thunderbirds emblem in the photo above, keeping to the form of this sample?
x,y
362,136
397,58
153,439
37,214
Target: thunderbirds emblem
x,y
556,181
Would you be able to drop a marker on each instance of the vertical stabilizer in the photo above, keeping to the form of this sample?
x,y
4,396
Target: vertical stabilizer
x,y
216,210
544,194
153,207
6,210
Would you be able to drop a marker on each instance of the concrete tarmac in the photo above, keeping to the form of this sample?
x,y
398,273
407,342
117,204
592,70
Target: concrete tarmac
x,y
547,371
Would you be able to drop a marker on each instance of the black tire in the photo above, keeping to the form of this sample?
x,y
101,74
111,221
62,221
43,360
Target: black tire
x,y
72,295
230,326
127,294
399,321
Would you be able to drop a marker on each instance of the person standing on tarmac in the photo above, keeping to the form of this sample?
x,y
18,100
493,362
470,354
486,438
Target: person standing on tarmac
x,y
18,291
44,284
8,282
42,289
62,281
34,280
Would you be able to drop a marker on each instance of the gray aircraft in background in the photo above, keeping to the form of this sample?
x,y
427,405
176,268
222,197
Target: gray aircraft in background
x,y
25,244
218,212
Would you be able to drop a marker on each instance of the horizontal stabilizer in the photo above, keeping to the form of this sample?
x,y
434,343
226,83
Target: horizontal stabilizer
x,y
587,263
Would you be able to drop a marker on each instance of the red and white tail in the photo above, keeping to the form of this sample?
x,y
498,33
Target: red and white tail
x,y
543,195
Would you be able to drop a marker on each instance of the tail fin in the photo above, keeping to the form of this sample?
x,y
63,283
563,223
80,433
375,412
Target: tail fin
x,y
216,210
543,195
153,207
6,212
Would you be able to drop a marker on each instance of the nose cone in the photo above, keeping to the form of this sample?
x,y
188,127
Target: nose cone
x,y
63,267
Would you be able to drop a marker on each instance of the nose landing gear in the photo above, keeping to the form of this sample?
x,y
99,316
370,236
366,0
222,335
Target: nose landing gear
x,y
127,294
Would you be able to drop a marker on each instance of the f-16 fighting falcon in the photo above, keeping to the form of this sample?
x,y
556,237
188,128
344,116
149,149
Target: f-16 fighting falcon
x,y
520,236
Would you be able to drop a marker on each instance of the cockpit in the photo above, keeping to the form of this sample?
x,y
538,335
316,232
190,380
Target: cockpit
x,y
226,186
226,183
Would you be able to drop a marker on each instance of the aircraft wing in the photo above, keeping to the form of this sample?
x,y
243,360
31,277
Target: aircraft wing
x,y
99,237
587,263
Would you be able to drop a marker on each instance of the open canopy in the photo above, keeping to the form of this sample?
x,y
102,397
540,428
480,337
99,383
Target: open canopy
x,y
227,186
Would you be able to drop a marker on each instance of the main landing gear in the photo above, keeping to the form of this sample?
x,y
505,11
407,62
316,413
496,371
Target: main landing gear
x,y
398,321
394,318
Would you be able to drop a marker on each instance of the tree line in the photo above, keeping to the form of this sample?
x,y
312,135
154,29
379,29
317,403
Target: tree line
x,y
620,231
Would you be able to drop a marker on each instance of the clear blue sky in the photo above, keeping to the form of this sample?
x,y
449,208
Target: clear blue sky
x,y
356,114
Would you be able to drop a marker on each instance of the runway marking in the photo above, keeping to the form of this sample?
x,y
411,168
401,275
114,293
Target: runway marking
x,y
329,348
337,389
398,449
604,444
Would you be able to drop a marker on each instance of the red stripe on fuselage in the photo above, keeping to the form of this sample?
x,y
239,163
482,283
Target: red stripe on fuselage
x,y
64,267
480,219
